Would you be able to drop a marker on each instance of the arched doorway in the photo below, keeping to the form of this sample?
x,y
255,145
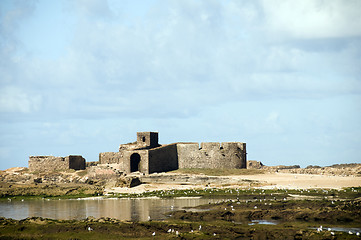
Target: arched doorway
x,y
134,162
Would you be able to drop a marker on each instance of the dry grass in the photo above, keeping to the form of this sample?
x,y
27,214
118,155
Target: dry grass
x,y
219,172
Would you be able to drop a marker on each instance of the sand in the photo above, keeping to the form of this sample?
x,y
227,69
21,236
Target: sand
x,y
267,181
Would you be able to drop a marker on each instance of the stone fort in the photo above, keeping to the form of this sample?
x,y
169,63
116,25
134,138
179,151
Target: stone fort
x,y
146,155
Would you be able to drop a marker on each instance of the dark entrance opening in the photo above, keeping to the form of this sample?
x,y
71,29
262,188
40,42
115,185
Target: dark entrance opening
x,y
134,162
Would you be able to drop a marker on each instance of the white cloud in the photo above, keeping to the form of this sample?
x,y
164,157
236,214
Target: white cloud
x,y
13,100
178,58
314,18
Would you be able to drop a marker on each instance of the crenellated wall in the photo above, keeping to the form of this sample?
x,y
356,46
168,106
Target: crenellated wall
x,y
212,155
147,156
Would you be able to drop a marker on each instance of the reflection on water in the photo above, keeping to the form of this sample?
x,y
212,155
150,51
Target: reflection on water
x,y
122,209
265,222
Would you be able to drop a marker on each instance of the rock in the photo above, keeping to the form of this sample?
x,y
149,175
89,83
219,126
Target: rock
x,y
38,180
251,164
133,182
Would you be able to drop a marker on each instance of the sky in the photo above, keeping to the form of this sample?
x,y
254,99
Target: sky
x,y
83,76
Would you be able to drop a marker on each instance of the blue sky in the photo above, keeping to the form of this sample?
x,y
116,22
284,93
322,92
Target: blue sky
x,y
83,76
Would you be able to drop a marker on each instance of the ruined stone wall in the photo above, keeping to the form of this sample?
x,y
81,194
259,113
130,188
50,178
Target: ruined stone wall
x,y
51,163
47,163
76,162
110,157
143,164
147,139
163,159
212,155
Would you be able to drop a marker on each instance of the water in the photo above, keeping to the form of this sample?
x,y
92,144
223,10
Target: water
x,y
122,209
265,222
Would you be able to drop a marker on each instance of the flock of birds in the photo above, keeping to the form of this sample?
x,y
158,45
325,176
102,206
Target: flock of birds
x,y
320,229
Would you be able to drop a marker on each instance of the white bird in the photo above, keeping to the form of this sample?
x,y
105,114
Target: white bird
x,y
169,230
349,232
153,233
200,227
332,233
191,230
176,233
329,229
214,234
357,234
90,229
255,207
148,218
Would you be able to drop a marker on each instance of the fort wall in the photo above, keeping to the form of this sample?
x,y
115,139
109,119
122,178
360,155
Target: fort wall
x,y
51,163
212,155
163,159
133,161
110,157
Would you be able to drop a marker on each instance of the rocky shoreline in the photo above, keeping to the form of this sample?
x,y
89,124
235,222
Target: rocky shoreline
x,y
252,210
100,180
271,214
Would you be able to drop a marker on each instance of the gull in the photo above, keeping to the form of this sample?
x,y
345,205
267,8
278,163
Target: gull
x,y
349,232
153,233
169,230
200,227
332,233
90,229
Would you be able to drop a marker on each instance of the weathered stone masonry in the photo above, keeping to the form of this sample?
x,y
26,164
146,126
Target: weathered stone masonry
x,y
51,163
147,156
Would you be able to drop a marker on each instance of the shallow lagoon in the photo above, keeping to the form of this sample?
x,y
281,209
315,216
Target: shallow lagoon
x,y
129,209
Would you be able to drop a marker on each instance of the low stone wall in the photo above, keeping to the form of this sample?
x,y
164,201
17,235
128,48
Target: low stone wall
x,y
185,179
47,163
51,163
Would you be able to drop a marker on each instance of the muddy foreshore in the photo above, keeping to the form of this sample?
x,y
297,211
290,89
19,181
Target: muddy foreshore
x,y
251,211
288,214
